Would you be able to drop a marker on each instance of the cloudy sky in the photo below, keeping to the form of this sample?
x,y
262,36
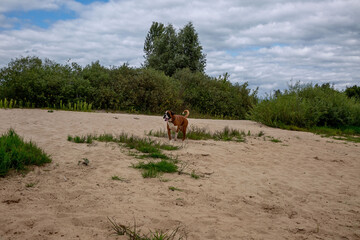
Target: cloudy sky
x,y
268,44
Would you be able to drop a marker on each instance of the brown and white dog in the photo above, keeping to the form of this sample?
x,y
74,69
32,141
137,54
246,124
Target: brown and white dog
x,y
176,123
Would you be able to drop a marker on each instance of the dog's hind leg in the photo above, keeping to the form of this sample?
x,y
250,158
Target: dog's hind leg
x,y
184,132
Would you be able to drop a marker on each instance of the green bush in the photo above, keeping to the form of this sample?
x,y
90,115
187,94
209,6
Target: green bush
x,y
307,106
31,82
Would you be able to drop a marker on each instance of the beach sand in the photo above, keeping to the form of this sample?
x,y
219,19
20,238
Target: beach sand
x,y
304,187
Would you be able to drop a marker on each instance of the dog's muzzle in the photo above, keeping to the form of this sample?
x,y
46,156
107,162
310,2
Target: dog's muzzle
x,y
166,118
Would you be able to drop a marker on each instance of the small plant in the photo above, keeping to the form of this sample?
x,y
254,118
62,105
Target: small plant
x,y
29,185
275,140
81,139
194,175
174,189
272,139
116,178
260,134
134,234
150,173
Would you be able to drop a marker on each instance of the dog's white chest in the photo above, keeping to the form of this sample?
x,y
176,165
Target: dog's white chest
x,y
172,126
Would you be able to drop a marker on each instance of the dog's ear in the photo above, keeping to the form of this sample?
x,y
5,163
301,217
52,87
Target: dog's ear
x,y
172,113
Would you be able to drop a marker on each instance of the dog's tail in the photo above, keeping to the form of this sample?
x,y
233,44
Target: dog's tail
x,y
187,113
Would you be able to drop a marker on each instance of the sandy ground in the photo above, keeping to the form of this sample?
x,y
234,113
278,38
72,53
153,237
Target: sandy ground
x,y
305,187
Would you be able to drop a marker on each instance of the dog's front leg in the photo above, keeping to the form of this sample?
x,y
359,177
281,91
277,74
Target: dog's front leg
x,y
169,133
176,133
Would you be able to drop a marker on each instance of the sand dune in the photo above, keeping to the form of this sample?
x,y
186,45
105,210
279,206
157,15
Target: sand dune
x,y
304,187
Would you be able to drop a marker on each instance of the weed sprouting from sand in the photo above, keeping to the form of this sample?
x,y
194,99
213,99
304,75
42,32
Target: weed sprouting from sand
x,y
172,188
275,140
29,185
134,234
17,154
272,139
229,134
80,139
116,178
194,175
260,134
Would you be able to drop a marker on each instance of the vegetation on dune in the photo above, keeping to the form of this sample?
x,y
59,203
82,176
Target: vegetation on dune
x,y
17,155
30,82
317,108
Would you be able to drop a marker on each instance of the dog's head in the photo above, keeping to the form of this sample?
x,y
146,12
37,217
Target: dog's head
x,y
168,115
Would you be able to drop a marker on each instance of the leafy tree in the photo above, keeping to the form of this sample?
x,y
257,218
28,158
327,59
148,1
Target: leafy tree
x,y
190,51
162,50
167,51
353,92
156,31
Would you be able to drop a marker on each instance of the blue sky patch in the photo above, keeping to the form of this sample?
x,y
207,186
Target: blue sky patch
x,y
39,18
43,18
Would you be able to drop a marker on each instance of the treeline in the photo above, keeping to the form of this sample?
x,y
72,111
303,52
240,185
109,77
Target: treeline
x,y
308,106
30,81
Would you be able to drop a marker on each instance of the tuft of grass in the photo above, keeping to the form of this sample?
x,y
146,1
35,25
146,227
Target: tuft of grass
x,y
17,154
194,175
174,189
260,134
116,178
150,173
275,140
29,185
153,169
80,139
229,134
133,234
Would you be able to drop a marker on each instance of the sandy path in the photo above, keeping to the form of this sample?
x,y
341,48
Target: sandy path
x,y
305,187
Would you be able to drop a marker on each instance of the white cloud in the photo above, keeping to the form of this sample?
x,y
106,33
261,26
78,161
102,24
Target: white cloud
x,y
266,43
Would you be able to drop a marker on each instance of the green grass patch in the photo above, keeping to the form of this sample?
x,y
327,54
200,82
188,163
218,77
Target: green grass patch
x,y
196,133
349,133
153,169
17,154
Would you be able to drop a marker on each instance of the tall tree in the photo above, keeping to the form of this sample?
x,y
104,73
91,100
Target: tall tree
x,y
156,31
168,51
190,49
